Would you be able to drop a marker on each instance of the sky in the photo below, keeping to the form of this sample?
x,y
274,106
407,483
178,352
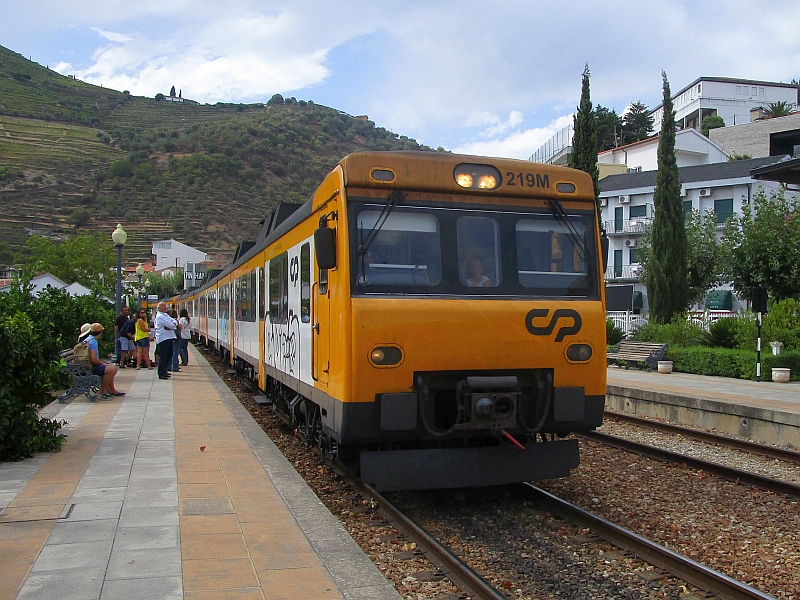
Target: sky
x,y
494,79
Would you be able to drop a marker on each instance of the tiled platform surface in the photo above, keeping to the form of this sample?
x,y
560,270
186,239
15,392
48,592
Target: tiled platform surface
x,y
171,492
763,411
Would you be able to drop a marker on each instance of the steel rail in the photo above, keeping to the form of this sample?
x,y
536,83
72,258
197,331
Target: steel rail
x,y
457,571
729,473
791,456
681,566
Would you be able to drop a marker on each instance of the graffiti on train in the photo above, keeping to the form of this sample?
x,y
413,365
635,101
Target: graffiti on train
x,y
283,345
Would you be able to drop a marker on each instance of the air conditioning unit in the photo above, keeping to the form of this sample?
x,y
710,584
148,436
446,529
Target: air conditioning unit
x,y
704,192
631,243
603,201
624,199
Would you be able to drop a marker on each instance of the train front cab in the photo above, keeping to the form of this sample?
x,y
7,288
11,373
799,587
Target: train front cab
x,y
450,323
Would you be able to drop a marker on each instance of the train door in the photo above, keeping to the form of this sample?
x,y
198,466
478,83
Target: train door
x,y
322,327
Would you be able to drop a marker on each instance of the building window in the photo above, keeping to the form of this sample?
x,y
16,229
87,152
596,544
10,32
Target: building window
x,y
723,209
639,211
687,207
634,256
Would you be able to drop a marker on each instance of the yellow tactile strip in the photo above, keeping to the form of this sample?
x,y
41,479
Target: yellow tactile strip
x,y
238,538
29,519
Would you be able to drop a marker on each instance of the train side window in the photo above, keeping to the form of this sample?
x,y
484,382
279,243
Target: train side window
x,y
279,289
478,252
212,305
305,283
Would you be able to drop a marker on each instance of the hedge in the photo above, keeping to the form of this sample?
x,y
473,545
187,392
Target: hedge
x,y
724,362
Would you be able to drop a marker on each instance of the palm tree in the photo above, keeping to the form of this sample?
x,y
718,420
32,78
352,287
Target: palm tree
x,y
779,109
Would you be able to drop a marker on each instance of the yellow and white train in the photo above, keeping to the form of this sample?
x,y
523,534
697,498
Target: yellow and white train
x,y
438,319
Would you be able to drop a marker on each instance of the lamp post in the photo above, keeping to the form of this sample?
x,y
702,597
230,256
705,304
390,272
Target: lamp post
x,y
146,293
139,273
119,237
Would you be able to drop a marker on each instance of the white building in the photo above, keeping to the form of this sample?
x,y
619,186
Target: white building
x,y
45,280
173,254
691,148
627,207
731,99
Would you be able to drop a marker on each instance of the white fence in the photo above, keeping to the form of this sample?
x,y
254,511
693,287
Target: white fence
x,y
629,322
626,320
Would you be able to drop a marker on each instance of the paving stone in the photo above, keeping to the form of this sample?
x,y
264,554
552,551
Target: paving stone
x,y
83,584
150,562
93,511
65,532
143,538
163,588
79,555
146,517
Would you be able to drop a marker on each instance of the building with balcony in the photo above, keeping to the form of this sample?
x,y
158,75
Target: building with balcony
x,y
731,99
627,207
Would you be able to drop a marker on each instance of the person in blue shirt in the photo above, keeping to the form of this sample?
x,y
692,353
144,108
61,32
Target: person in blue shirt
x,y
104,370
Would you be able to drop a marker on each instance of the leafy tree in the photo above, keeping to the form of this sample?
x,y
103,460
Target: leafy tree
x,y
121,168
703,254
166,285
584,141
711,122
86,258
6,254
609,128
637,124
762,246
779,109
666,277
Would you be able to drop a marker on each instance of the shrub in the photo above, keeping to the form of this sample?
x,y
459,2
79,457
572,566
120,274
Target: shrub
x,y
29,369
614,335
679,333
790,360
722,333
722,362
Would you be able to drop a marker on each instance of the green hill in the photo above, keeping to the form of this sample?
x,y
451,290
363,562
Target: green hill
x,y
74,156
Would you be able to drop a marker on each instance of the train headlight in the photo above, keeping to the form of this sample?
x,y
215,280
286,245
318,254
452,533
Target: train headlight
x,y
386,356
579,352
472,176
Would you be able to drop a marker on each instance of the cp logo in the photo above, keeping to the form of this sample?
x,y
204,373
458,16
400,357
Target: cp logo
x,y
548,329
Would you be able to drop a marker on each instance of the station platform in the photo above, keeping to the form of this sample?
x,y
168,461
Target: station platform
x,y
763,411
171,491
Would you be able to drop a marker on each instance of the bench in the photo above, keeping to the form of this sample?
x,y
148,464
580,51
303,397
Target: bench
x,y
638,352
84,382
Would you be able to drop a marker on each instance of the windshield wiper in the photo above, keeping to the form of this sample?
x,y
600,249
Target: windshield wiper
x,y
562,217
394,199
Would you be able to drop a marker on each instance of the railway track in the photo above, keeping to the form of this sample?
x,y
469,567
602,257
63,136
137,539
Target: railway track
x,y
790,456
448,563
680,566
723,471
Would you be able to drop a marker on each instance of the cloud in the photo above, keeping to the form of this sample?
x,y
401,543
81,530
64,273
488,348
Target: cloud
x,y
448,73
520,144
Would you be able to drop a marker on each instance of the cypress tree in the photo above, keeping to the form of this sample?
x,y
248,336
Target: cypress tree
x,y
666,279
584,140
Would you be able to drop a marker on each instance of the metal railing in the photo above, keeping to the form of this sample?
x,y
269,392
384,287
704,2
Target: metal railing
x,y
626,320
633,272
635,225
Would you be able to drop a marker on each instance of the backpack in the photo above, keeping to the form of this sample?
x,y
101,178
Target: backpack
x,y
80,355
129,327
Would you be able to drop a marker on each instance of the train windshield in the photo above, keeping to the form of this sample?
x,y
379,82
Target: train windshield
x,y
457,251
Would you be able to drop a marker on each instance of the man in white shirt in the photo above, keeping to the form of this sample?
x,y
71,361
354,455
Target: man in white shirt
x,y
165,328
